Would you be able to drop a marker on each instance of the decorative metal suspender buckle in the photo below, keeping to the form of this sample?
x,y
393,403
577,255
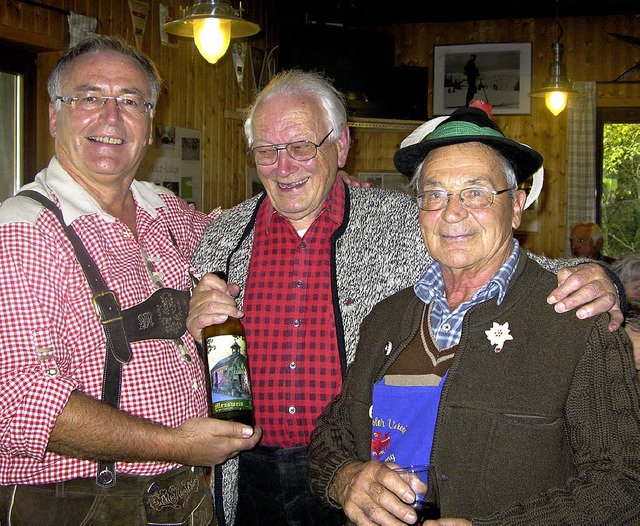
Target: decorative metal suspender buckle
x,y
107,306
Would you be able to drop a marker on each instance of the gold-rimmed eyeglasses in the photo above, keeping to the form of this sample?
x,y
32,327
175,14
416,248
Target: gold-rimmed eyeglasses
x,y
299,150
130,103
473,197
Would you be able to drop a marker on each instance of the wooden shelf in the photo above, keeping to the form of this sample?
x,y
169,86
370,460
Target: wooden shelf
x,y
353,122
383,124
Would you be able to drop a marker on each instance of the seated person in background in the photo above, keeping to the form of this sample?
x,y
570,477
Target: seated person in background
x,y
526,419
587,241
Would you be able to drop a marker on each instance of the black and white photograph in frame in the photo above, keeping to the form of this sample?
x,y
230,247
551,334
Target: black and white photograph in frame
x,y
499,74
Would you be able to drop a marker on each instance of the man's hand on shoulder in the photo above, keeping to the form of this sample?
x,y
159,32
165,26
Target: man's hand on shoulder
x,y
352,181
588,288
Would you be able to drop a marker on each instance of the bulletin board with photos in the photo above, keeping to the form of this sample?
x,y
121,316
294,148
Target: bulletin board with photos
x,y
174,160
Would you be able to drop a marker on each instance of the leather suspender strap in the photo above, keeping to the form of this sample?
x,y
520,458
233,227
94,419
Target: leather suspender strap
x,y
107,307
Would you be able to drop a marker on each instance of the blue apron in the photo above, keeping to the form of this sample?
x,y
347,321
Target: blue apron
x,y
403,423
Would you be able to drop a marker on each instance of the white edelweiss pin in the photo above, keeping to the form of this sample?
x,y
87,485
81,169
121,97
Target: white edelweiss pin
x,y
498,334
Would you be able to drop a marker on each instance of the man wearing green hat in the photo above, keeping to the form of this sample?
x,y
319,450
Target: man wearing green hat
x,y
524,415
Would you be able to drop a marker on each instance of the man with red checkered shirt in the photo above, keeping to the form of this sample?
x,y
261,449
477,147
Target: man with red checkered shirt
x,y
103,401
312,256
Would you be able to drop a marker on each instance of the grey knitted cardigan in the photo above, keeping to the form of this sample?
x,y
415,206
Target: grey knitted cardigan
x,y
378,251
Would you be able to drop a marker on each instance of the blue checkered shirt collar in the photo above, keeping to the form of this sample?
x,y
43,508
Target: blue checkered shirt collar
x,y
446,326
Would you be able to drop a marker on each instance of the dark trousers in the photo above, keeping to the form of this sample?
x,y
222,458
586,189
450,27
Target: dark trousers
x,y
274,490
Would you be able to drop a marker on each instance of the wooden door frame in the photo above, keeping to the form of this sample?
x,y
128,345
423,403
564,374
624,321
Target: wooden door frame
x,y
19,61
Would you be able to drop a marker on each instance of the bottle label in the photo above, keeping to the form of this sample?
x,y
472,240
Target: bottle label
x,y
230,387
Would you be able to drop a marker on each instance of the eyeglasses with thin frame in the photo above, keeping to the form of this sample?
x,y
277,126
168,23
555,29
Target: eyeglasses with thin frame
x,y
473,197
131,103
299,150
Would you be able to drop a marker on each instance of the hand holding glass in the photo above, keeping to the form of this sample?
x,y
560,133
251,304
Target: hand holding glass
x,y
426,503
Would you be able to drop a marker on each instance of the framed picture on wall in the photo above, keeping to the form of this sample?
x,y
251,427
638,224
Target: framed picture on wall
x,y
499,74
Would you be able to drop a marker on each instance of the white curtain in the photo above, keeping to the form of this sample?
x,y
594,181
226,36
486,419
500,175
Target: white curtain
x,y
581,151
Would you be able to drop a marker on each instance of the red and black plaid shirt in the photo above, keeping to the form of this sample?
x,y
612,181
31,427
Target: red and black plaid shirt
x,y
290,323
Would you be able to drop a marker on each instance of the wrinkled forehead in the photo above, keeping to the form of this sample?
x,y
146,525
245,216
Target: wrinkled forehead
x,y
288,117
105,68
463,164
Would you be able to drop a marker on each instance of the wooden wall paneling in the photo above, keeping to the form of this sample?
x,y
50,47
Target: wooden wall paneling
x,y
13,30
105,13
192,83
372,150
15,16
215,131
235,170
201,96
150,32
222,196
199,117
163,105
41,19
44,149
223,171
233,175
228,172
119,14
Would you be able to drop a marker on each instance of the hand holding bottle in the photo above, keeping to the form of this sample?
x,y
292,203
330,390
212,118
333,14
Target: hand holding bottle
x,y
209,441
212,302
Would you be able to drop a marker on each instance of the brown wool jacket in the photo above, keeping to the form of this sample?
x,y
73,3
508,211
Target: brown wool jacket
x,y
546,431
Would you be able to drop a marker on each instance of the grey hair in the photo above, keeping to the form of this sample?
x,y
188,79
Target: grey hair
x,y
596,231
296,82
98,44
505,167
627,267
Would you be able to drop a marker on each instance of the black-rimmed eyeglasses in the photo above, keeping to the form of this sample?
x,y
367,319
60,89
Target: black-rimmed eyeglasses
x,y
132,103
299,150
472,197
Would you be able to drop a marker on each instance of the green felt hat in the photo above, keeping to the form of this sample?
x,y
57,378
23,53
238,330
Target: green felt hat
x,y
469,125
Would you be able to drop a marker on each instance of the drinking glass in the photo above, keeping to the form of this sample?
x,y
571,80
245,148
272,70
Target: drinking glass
x,y
426,503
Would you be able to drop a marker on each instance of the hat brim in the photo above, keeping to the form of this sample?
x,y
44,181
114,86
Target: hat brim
x,y
525,160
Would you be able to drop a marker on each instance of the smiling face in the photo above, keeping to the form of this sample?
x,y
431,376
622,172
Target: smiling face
x,y
103,147
297,189
466,242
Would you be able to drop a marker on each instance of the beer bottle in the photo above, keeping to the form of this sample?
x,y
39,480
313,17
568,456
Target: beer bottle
x,y
230,387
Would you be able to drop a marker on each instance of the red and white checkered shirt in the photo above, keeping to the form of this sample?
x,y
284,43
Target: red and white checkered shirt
x,y
52,342
290,323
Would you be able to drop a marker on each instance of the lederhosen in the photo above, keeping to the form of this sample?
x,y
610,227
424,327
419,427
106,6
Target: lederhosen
x,y
179,496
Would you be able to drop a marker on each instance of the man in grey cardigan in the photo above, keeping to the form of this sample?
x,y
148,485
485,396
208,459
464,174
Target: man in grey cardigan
x,y
311,257
525,415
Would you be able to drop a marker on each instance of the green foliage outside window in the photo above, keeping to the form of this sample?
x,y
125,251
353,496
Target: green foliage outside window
x,y
620,205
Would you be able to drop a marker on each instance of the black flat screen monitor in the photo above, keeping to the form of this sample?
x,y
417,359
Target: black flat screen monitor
x,y
361,64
